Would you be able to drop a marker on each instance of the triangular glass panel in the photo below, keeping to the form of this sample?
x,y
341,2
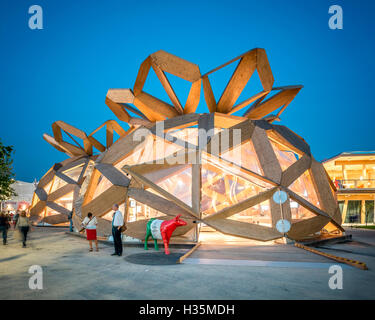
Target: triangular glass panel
x,y
74,173
259,214
304,187
175,179
299,212
189,134
224,185
244,155
103,185
57,184
286,157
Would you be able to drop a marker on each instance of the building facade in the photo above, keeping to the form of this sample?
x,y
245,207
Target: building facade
x,y
353,174
22,200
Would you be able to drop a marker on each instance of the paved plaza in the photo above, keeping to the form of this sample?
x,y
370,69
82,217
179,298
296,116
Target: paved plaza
x,y
225,271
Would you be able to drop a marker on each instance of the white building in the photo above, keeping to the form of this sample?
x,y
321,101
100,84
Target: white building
x,y
22,201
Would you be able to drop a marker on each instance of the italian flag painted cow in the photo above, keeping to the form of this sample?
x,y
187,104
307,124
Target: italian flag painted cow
x,y
162,230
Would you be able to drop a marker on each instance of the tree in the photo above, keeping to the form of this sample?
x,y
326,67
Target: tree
x,y
6,173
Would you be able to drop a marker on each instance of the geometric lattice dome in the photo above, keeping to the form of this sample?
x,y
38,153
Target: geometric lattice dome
x,y
215,168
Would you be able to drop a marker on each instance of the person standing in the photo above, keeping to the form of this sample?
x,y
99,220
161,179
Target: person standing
x,y
89,223
23,226
15,219
70,218
4,226
117,222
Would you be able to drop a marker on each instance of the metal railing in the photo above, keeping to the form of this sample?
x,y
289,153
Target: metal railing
x,y
355,184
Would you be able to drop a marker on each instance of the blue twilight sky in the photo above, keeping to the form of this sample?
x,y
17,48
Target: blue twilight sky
x,y
64,71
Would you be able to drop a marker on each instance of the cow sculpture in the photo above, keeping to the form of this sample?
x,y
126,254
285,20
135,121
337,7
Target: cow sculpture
x,y
162,230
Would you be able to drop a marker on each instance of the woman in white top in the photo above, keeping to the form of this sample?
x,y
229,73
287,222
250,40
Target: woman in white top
x,y
89,223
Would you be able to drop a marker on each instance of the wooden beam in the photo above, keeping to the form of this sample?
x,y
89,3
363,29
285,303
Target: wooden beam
x,y
243,229
283,97
142,76
216,145
125,145
176,66
104,202
322,188
237,83
267,158
121,95
193,98
58,208
158,203
115,176
294,171
304,228
243,205
161,191
153,108
264,69
168,88
208,94
60,192
117,109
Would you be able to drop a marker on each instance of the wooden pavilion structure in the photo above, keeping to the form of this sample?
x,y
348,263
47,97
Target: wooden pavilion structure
x,y
228,187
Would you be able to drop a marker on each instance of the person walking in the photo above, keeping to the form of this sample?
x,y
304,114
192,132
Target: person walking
x,y
23,225
117,222
89,223
4,226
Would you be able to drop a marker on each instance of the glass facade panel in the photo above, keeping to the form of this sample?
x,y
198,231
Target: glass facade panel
x,y
285,157
57,184
74,173
369,210
175,179
353,213
258,214
103,185
304,187
299,212
224,185
244,155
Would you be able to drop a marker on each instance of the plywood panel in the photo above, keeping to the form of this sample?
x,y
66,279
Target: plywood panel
x,y
237,83
154,108
244,230
158,203
115,176
301,229
56,219
121,95
104,202
61,192
125,145
295,170
243,205
176,66
322,188
193,98
117,109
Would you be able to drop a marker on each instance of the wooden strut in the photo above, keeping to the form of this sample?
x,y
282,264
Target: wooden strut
x,y
187,254
351,262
